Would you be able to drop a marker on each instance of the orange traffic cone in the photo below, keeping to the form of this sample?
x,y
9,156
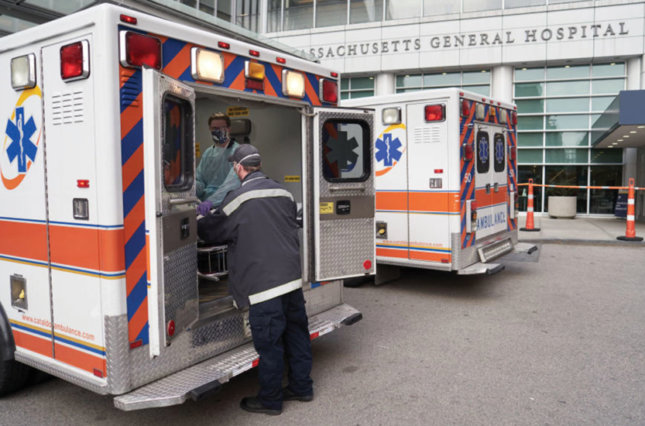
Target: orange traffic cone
x,y
630,232
530,226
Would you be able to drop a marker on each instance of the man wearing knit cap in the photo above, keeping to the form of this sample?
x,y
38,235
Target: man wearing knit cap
x,y
258,222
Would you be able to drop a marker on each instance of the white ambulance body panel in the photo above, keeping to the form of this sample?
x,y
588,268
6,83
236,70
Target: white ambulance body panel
x,y
445,199
76,222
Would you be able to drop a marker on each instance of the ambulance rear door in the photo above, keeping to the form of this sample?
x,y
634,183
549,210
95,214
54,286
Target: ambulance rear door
x,y
492,189
171,228
339,233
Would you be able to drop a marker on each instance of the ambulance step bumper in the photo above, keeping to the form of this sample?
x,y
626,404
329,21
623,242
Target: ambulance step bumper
x,y
208,376
481,268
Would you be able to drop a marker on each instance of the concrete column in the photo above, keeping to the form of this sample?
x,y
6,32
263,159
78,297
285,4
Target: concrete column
x,y
635,80
264,16
384,84
502,83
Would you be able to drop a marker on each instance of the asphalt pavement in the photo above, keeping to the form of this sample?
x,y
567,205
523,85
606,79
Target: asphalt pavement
x,y
555,338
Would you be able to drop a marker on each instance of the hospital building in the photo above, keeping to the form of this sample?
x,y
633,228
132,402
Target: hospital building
x,y
575,69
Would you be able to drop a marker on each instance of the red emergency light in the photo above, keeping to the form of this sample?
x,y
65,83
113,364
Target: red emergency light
x,y
465,108
223,45
434,112
281,60
514,118
142,50
468,152
73,63
254,53
334,74
329,91
128,19
83,183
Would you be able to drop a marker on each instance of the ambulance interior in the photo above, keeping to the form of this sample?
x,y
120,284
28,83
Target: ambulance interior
x,y
276,131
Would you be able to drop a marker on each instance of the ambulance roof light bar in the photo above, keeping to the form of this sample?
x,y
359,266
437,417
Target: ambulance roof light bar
x,y
75,61
138,49
23,72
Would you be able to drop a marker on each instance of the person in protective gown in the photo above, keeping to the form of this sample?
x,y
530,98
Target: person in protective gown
x,y
215,176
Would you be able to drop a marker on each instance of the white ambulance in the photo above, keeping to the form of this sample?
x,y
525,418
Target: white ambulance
x,y
102,114
446,181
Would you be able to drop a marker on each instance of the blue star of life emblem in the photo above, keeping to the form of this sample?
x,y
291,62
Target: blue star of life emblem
x,y
21,146
483,150
388,149
499,151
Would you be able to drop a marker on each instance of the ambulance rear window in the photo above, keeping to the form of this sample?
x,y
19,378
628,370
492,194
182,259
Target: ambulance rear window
x,y
345,150
483,152
177,144
500,152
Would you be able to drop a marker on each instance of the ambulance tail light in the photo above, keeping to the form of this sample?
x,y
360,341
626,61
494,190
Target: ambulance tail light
x,y
471,216
514,118
138,49
468,152
465,108
75,61
513,153
435,112
328,91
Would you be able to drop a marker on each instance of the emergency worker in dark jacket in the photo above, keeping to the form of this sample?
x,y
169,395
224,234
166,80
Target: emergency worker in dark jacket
x,y
258,222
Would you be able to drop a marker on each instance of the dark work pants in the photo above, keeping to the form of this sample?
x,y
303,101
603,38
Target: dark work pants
x,y
280,329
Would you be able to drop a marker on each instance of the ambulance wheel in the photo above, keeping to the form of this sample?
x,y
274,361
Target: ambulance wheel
x,y
13,376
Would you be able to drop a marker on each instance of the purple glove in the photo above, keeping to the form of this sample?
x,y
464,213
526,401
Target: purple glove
x,y
204,207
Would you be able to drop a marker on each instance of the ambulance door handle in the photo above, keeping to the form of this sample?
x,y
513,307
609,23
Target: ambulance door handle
x,y
179,201
488,188
496,187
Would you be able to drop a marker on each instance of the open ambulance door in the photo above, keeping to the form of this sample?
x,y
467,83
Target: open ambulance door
x,y
339,233
170,218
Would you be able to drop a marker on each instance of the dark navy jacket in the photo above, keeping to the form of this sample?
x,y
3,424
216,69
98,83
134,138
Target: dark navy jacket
x,y
258,222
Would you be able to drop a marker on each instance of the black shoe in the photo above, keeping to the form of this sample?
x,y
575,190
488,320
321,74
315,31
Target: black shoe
x,y
251,403
287,395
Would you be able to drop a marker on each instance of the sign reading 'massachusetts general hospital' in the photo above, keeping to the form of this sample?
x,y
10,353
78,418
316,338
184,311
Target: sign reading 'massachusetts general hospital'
x,y
527,36
521,37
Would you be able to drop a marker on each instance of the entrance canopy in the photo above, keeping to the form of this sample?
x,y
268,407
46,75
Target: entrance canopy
x,y
623,122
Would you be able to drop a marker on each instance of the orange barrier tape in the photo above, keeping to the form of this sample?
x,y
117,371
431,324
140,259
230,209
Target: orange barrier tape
x,y
637,188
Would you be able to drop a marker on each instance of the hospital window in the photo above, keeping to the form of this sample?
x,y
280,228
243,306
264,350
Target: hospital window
x,y
474,81
557,111
356,87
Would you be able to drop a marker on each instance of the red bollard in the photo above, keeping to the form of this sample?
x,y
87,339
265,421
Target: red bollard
x,y
630,232
530,226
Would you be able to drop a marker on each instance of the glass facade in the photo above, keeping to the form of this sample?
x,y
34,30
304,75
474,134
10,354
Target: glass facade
x,y
356,87
557,107
474,81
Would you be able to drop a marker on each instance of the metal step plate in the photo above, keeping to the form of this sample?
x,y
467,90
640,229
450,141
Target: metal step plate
x,y
176,388
481,268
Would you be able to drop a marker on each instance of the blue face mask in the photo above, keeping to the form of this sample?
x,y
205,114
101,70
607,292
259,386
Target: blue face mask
x,y
220,136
